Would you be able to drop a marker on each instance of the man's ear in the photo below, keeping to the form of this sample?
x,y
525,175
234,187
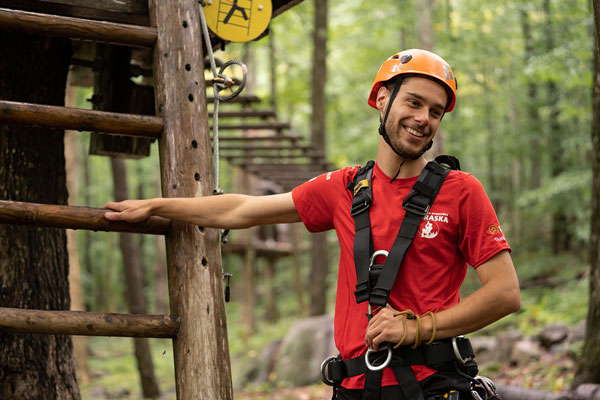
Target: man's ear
x,y
381,100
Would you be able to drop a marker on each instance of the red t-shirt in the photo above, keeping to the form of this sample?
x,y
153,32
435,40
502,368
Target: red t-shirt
x,y
461,228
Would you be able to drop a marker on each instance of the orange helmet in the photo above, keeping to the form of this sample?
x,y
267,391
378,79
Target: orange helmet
x,y
416,62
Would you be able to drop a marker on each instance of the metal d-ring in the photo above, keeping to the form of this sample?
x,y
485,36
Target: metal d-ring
x,y
324,376
387,361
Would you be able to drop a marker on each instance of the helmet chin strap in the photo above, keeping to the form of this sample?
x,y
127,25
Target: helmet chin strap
x,y
382,123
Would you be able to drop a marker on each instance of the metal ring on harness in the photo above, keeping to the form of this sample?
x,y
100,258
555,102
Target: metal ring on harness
x,y
383,365
459,357
378,253
324,376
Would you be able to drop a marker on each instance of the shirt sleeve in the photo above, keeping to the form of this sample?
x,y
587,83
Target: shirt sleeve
x,y
317,199
481,236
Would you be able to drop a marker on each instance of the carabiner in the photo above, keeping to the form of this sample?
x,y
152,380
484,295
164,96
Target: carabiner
x,y
377,253
371,261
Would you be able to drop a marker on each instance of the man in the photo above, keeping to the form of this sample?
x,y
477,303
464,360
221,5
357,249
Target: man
x,y
412,91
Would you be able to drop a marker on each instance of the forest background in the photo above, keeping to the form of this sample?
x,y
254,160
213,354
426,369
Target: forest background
x,y
522,126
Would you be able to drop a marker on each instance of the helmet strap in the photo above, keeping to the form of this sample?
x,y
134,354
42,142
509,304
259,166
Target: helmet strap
x,y
382,123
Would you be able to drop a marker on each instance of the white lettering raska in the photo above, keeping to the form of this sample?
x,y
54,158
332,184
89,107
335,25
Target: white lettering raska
x,y
436,218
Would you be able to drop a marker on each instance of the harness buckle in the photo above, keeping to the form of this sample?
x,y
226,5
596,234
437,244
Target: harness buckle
x,y
413,208
359,207
362,198
325,371
459,356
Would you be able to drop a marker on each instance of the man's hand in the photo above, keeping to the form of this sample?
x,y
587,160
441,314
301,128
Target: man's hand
x,y
128,210
385,328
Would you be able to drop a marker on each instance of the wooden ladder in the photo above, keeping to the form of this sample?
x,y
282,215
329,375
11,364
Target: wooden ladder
x,y
197,322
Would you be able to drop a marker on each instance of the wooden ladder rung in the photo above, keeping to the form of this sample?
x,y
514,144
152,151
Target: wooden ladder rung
x,y
278,138
275,164
276,126
79,119
19,320
289,157
245,99
245,114
75,217
77,28
247,148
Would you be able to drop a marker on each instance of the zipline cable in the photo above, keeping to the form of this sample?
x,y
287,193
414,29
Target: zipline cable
x,y
220,82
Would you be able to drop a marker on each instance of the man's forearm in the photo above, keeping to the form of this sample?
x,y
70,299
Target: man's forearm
x,y
497,297
209,211
229,211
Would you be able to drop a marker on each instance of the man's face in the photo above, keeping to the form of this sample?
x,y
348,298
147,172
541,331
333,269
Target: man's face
x,y
415,114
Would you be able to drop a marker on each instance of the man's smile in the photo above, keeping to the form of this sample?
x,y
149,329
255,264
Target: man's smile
x,y
414,132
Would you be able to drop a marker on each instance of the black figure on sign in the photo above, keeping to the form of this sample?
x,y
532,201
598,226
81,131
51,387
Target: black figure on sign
x,y
234,8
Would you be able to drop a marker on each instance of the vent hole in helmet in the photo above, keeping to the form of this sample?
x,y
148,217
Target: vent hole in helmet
x,y
406,58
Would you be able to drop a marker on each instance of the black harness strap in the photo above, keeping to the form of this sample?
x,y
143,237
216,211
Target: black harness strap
x,y
363,242
417,205
437,355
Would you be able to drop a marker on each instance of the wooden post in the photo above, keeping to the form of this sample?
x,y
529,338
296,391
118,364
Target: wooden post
x,y
201,350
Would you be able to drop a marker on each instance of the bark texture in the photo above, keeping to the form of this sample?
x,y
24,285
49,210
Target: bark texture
x,y
34,264
588,369
319,252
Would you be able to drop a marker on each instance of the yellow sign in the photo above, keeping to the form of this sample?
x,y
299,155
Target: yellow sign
x,y
238,20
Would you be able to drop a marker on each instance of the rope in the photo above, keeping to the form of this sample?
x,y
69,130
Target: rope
x,y
409,314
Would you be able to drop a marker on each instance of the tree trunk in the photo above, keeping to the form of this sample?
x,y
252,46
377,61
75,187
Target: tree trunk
x,y
425,23
34,266
561,237
114,87
134,278
272,71
92,295
426,39
249,285
161,304
193,255
532,108
319,265
295,237
247,184
588,368
71,167
271,310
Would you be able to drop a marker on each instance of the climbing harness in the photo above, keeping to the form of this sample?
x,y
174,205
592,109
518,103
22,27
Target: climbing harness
x,y
220,82
438,355
416,205
374,284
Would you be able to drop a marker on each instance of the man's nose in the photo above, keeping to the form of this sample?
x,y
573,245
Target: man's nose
x,y
422,116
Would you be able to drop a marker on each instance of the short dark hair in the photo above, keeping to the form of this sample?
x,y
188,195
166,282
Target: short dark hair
x,y
390,83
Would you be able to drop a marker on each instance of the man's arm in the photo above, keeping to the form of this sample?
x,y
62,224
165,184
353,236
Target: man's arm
x,y
227,211
498,296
